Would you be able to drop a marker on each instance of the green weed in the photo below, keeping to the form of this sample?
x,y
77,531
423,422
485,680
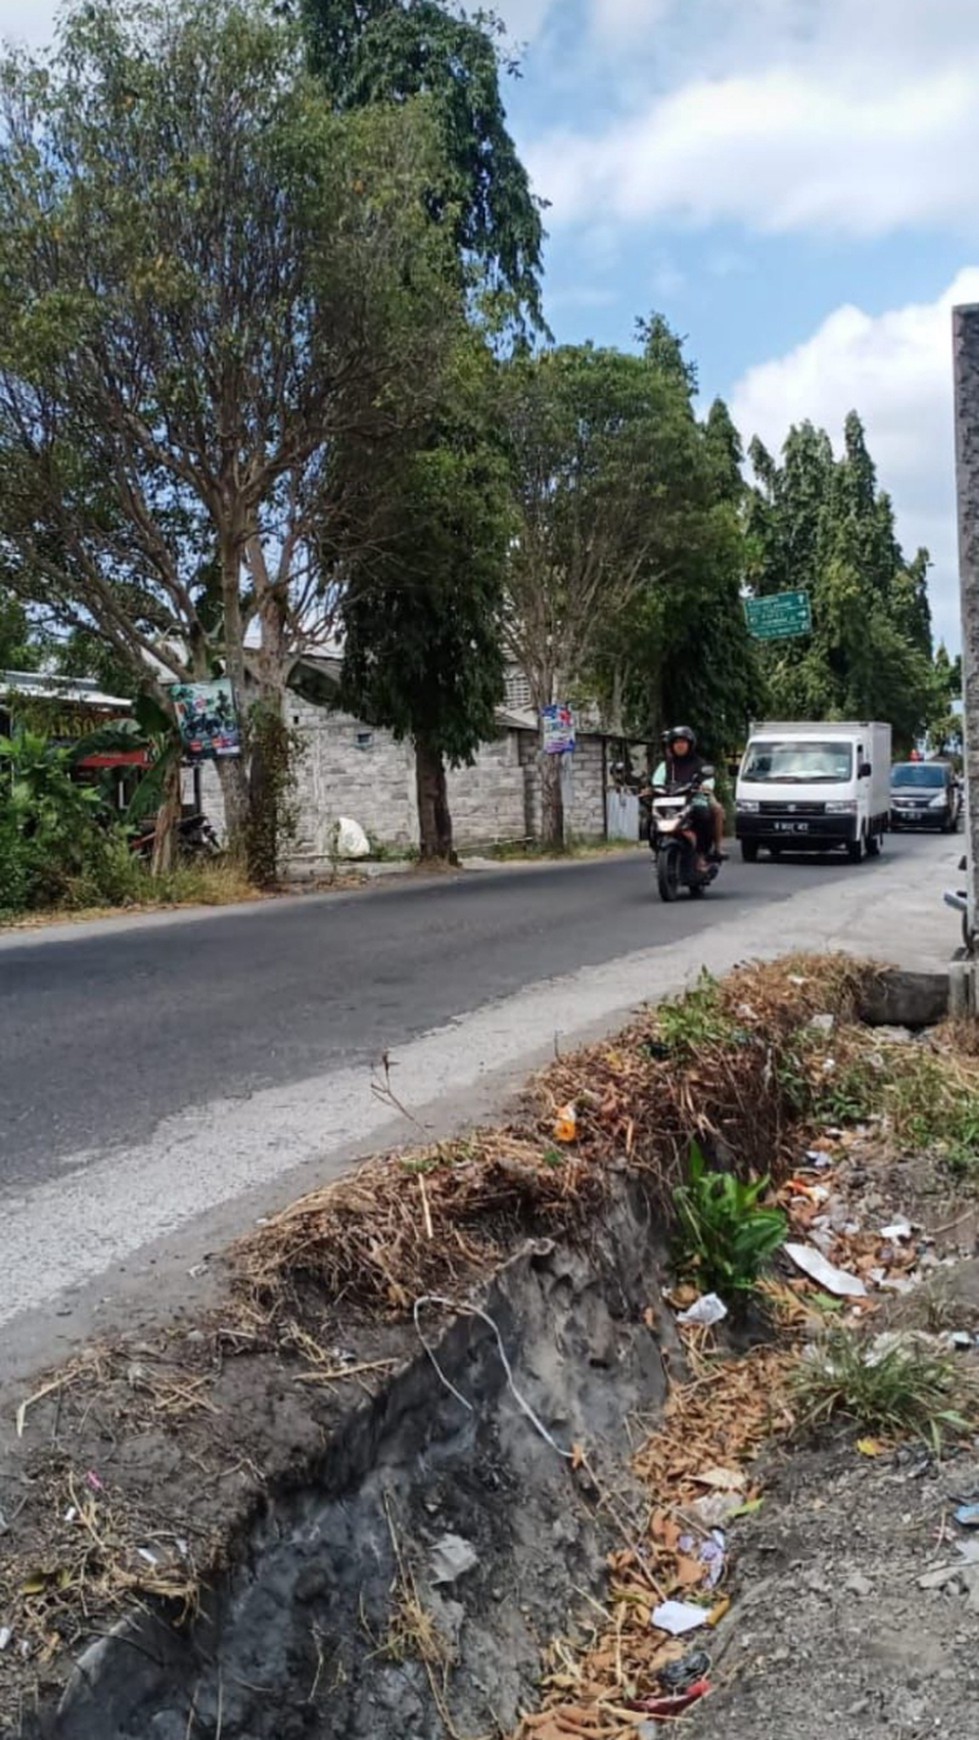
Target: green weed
x,y
900,1387
724,1237
696,1021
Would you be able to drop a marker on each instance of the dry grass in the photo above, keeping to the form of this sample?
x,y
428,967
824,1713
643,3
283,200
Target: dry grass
x,y
716,1422
439,1220
442,1217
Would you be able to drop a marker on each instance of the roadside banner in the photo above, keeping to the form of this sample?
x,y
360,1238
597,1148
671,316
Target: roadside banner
x,y
207,719
559,735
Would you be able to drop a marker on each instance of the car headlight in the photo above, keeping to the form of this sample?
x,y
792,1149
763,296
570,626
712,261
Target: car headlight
x,y
939,802
844,807
747,806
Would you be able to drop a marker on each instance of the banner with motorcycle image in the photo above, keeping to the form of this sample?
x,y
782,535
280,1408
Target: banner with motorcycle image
x,y
207,719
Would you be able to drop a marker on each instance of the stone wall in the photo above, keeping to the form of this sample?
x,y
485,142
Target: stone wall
x,y
585,818
351,769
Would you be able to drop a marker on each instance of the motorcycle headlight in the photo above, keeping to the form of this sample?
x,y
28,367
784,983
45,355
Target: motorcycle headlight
x,y
844,807
747,806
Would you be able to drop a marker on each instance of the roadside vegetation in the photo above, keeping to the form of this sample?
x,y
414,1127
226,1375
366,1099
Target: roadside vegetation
x,y
411,459
719,1115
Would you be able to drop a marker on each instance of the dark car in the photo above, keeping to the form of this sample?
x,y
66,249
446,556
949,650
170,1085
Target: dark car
x,y
924,795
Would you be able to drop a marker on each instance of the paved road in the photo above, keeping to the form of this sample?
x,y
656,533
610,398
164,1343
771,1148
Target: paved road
x,y
103,1037
164,1081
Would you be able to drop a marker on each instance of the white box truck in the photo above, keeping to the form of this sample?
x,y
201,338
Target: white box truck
x,y
814,787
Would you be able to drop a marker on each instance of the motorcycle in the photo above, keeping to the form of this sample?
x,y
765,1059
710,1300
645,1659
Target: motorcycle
x,y
195,839
673,816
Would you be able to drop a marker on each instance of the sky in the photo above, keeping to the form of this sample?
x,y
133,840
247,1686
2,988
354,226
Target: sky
x,y
791,182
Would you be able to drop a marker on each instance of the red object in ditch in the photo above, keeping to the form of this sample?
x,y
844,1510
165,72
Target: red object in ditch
x,y
664,1708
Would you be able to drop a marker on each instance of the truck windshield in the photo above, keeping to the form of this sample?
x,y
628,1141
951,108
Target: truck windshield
x,y
802,762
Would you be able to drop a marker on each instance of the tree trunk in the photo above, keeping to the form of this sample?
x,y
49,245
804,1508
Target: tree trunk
x,y
234,789
552,802
434,819
167,820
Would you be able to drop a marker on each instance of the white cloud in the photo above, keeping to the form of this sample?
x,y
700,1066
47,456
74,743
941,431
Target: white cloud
x,y
780,153
781,115
895,369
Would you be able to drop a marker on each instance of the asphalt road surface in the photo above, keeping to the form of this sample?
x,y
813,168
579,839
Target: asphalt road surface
x,y
103,1036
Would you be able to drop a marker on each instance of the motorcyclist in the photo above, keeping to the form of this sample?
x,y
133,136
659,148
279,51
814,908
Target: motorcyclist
x,y
682,766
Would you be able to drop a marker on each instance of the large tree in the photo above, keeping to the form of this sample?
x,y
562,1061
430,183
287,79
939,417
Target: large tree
x,y
599,444
421,610
209,278
681,651
820,522
390,51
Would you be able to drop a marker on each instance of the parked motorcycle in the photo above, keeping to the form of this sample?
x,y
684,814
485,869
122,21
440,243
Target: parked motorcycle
x,y
674,816
196,839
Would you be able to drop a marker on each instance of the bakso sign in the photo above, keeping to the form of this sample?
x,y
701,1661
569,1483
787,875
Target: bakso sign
x,y
782,616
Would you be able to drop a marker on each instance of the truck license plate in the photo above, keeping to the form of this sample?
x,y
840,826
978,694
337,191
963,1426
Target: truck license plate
x,y
792,827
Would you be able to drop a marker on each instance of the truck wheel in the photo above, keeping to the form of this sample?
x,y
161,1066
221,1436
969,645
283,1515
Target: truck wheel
x,y
854,850
875,845
749,851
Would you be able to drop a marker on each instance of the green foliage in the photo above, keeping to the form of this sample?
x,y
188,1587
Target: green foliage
x,y
899,1385
372,52
276,753
696,1020
189,319
50,827
421,608
724,1236
679,648
818,523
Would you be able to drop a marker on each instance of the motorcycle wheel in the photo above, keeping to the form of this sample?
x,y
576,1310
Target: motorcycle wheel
x,y
668,872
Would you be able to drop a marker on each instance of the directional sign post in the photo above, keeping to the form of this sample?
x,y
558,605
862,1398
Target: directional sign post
x,y
782,616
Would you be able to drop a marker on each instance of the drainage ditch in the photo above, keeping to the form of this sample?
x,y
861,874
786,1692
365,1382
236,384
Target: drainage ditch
x,y
407,1590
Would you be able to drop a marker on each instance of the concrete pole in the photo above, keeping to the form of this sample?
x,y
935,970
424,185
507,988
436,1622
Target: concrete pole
x,y
965,341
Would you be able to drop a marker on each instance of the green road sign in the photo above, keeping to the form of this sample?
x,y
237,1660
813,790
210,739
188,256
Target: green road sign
x,y
779,617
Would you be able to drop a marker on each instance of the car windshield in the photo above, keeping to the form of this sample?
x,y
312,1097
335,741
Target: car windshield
x,y
802,762
917,776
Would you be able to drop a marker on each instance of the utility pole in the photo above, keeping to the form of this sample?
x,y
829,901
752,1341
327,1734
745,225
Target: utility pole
x,y
965,341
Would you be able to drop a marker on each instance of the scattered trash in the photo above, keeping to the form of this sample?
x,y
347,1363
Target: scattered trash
x,y
667,1708
839,1282
566,1125
717,1613
71,1513
822,1024
93,1482
679,1676
899,1230
870,1447
148,1557
961,1340
6,1636
712,1555
705,1313
967,1516
451,1558
676,1618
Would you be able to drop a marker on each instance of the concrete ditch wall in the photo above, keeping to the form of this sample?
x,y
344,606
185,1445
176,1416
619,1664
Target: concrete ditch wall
x,y
292,1643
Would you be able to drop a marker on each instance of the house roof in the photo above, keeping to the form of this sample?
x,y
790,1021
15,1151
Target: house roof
x,y
42,686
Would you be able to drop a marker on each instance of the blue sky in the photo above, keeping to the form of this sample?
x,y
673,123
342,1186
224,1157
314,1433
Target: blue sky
x,y
792,182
